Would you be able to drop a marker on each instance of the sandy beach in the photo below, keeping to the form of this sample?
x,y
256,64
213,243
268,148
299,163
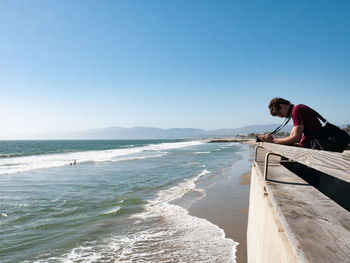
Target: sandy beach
x,y
226,205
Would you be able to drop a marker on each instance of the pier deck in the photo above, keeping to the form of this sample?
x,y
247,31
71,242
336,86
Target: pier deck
x,y
317,228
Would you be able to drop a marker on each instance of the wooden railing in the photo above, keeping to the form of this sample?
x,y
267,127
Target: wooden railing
x,y
316,224
331,163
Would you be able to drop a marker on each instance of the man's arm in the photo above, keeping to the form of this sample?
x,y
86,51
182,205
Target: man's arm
x,y
294,137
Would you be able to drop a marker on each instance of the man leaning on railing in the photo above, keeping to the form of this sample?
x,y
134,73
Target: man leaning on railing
x,y
307,129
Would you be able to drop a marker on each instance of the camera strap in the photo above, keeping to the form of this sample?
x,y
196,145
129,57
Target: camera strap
x,y
281,126
286,121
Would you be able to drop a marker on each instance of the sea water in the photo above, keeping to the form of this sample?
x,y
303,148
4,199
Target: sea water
x,y
111,201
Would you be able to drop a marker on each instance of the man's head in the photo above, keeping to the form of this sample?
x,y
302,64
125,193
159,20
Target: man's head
x,y
279,107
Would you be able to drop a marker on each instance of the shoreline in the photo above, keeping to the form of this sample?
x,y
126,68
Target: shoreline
x,y
226,204
248,141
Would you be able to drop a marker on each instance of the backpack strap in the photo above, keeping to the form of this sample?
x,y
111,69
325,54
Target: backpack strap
x,y
319,116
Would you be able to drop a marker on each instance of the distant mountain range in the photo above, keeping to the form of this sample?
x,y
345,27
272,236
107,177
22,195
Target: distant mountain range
x,y
157,133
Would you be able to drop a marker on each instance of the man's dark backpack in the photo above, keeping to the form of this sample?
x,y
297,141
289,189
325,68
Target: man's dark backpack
x,y
329,137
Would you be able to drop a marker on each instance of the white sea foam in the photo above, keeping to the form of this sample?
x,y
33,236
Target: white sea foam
x,y
165,233
178,191
190,163
184,238
112,211
27,163
201,152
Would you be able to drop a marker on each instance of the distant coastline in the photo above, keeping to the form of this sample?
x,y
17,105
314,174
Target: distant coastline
x,y
230,140
149,133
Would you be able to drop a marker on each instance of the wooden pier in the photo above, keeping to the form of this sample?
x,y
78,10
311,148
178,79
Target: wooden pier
x,y
291,220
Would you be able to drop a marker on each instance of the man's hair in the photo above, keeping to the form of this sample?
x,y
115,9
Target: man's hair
x,y
275,107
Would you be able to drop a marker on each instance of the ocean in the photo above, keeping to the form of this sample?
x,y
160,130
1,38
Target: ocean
x,y
112,200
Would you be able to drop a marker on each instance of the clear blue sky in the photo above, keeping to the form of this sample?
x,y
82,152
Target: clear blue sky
x,y
75,65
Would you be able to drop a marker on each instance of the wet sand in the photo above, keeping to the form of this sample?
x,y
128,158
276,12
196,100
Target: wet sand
x,y
226,205
245,179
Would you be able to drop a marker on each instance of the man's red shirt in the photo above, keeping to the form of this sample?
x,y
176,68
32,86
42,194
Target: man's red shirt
x,y
303,115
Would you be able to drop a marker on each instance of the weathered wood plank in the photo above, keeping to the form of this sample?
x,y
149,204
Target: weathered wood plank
x,y
332,163
318,229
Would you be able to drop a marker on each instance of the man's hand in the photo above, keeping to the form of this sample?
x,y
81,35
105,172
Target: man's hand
x,y
266,138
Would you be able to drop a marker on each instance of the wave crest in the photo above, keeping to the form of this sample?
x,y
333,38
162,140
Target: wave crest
x,y
44,161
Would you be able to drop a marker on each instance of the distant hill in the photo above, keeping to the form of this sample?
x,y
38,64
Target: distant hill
x,y
156,133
